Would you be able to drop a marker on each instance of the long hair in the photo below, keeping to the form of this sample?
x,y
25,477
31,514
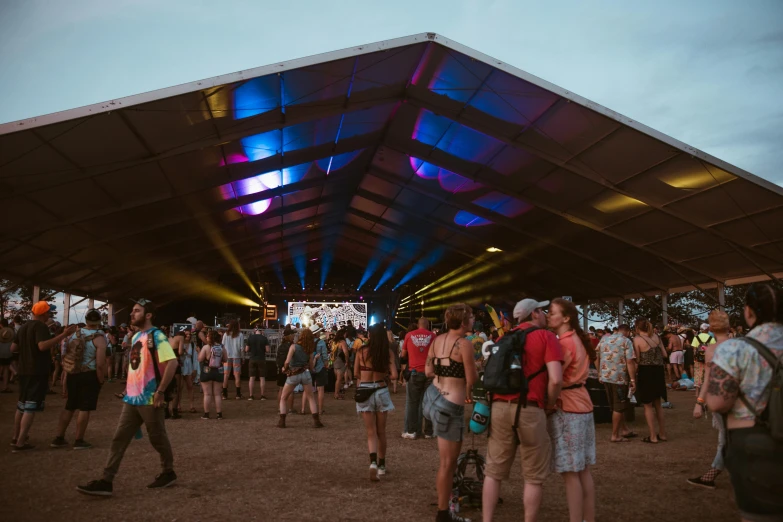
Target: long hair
x,y
233,328
457,316
377,354
644,326
764,300
569,310
307,341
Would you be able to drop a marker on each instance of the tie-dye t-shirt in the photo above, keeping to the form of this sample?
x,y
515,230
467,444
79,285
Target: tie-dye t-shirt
x,y
141,384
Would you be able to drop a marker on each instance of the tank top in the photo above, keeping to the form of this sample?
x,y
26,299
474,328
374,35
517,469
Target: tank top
x,y
651,357
216,356
300,358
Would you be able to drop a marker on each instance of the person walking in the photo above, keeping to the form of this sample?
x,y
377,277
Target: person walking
x,y
33,342
297,366
151,369
720,326
450,359
700,343
320,373
513,425
187,356
257,346
617,372
374,362
82,387
340,357
651,379
745,374
571,425
212,358
415,348
233,342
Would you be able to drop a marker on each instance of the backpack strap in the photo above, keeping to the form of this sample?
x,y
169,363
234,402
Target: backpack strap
x,y
154,354
773,361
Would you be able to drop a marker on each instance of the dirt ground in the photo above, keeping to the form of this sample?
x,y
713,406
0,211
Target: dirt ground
x,y
244,468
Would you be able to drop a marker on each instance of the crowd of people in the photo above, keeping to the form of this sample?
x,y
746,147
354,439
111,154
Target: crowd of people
x,y
546,412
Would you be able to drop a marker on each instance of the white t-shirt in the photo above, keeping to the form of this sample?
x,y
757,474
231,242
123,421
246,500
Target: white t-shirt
x,y
233,345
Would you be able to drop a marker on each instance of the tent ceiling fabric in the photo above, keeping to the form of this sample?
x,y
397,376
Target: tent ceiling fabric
x,y
408,153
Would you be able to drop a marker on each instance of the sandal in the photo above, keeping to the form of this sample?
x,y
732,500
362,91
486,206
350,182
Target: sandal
x,y
623,439
661,439
193,410
649,441
631,435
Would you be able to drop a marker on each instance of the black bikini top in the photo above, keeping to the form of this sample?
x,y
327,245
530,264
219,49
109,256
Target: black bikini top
x,y
454,369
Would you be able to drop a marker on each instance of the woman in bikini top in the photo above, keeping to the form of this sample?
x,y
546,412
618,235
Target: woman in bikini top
x,y
450,362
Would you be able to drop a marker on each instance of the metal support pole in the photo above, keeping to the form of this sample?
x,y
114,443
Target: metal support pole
x,y
722,297
66,308
665,309
36,294
585,310
621,312
90,303
112,319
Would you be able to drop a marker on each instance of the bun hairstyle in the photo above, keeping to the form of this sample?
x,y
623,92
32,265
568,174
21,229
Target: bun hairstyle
x,y
569,310
642,325
719,321
458,315
215,337
765,301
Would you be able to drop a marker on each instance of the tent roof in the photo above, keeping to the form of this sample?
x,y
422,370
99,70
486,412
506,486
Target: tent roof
x,y
397,160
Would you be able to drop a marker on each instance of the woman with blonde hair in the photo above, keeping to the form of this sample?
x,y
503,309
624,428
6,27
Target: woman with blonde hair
x,y
719,325
571,426
451,365
233,343
298,367
650,378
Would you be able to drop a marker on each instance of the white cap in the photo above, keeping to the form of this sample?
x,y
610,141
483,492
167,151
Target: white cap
x,y
704,327
526,306
315,328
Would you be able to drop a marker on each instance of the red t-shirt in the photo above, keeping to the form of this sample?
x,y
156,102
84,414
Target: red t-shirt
x,y
541,347
417,344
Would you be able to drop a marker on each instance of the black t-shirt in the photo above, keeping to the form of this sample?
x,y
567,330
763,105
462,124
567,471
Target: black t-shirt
x,y
33,361
257,344
282,353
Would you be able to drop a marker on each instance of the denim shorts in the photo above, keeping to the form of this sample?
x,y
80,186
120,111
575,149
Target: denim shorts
x,y
379,401
303,378
448,419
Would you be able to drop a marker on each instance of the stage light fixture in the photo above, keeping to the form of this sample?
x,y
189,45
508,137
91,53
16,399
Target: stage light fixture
x,y
493,249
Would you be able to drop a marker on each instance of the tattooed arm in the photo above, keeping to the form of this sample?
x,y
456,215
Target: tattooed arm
x,y
429,366
722,390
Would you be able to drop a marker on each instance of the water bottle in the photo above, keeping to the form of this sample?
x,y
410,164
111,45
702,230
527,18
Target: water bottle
x,y
138,434
454,501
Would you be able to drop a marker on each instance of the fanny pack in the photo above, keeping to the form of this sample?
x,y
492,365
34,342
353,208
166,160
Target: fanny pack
x,y
364,394
295,371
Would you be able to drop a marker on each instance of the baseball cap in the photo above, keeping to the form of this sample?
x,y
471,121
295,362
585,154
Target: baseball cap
x,y
92,316
526,306
316,328
704,327
40,308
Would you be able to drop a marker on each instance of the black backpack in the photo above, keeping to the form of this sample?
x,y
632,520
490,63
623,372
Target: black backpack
x,y
772,416
503,371
470,487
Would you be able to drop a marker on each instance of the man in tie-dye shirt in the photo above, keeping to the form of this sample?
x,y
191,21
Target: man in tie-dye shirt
x,y
151,368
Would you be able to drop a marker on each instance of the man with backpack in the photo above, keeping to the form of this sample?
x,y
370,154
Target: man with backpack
x,y
33,342
518,417
151,369
415,348
746,384
84,368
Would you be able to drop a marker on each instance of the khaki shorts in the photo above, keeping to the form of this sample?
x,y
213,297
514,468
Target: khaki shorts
x,y
617,394
534,443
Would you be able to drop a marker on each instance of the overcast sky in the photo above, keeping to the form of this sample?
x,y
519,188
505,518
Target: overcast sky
x,y
709,73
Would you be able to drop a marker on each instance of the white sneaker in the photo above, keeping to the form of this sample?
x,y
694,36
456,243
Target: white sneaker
x,y
381,470
429,436
410,436
374,472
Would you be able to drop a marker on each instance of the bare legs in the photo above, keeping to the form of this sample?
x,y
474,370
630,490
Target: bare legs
x,y
651,411
5,371
338,385
22,424
580,495
217,396
262,383
448,451
288,391
375,423
321,393
81,423
619,429
188,380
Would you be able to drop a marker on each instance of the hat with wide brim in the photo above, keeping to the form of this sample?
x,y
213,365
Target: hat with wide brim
x,y
6,335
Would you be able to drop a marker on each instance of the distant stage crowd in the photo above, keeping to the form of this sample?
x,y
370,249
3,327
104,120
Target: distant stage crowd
x,y
524,383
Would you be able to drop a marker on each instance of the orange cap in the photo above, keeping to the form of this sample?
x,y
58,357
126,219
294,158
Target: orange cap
x,y
40,308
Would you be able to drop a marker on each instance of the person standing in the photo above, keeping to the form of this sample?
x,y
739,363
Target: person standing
x,y
212,357
617,368
744,376
699,344
33,342
297,366
257,346
321,374
374,362
6,340
415,348
719,325
450,359
233,341
651,355
152,367
187,358
81,388
571,426
340,357
512,425
676,356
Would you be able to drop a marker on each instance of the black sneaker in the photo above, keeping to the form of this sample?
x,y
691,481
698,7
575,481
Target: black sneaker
x,y
263,397
99,488
81,445
205,416
22,449
225,393
163,480
702,483
251,398
219,416
58,442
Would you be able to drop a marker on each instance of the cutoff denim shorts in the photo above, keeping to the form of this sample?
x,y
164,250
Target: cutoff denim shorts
x,y
379,401
448,419
304,378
